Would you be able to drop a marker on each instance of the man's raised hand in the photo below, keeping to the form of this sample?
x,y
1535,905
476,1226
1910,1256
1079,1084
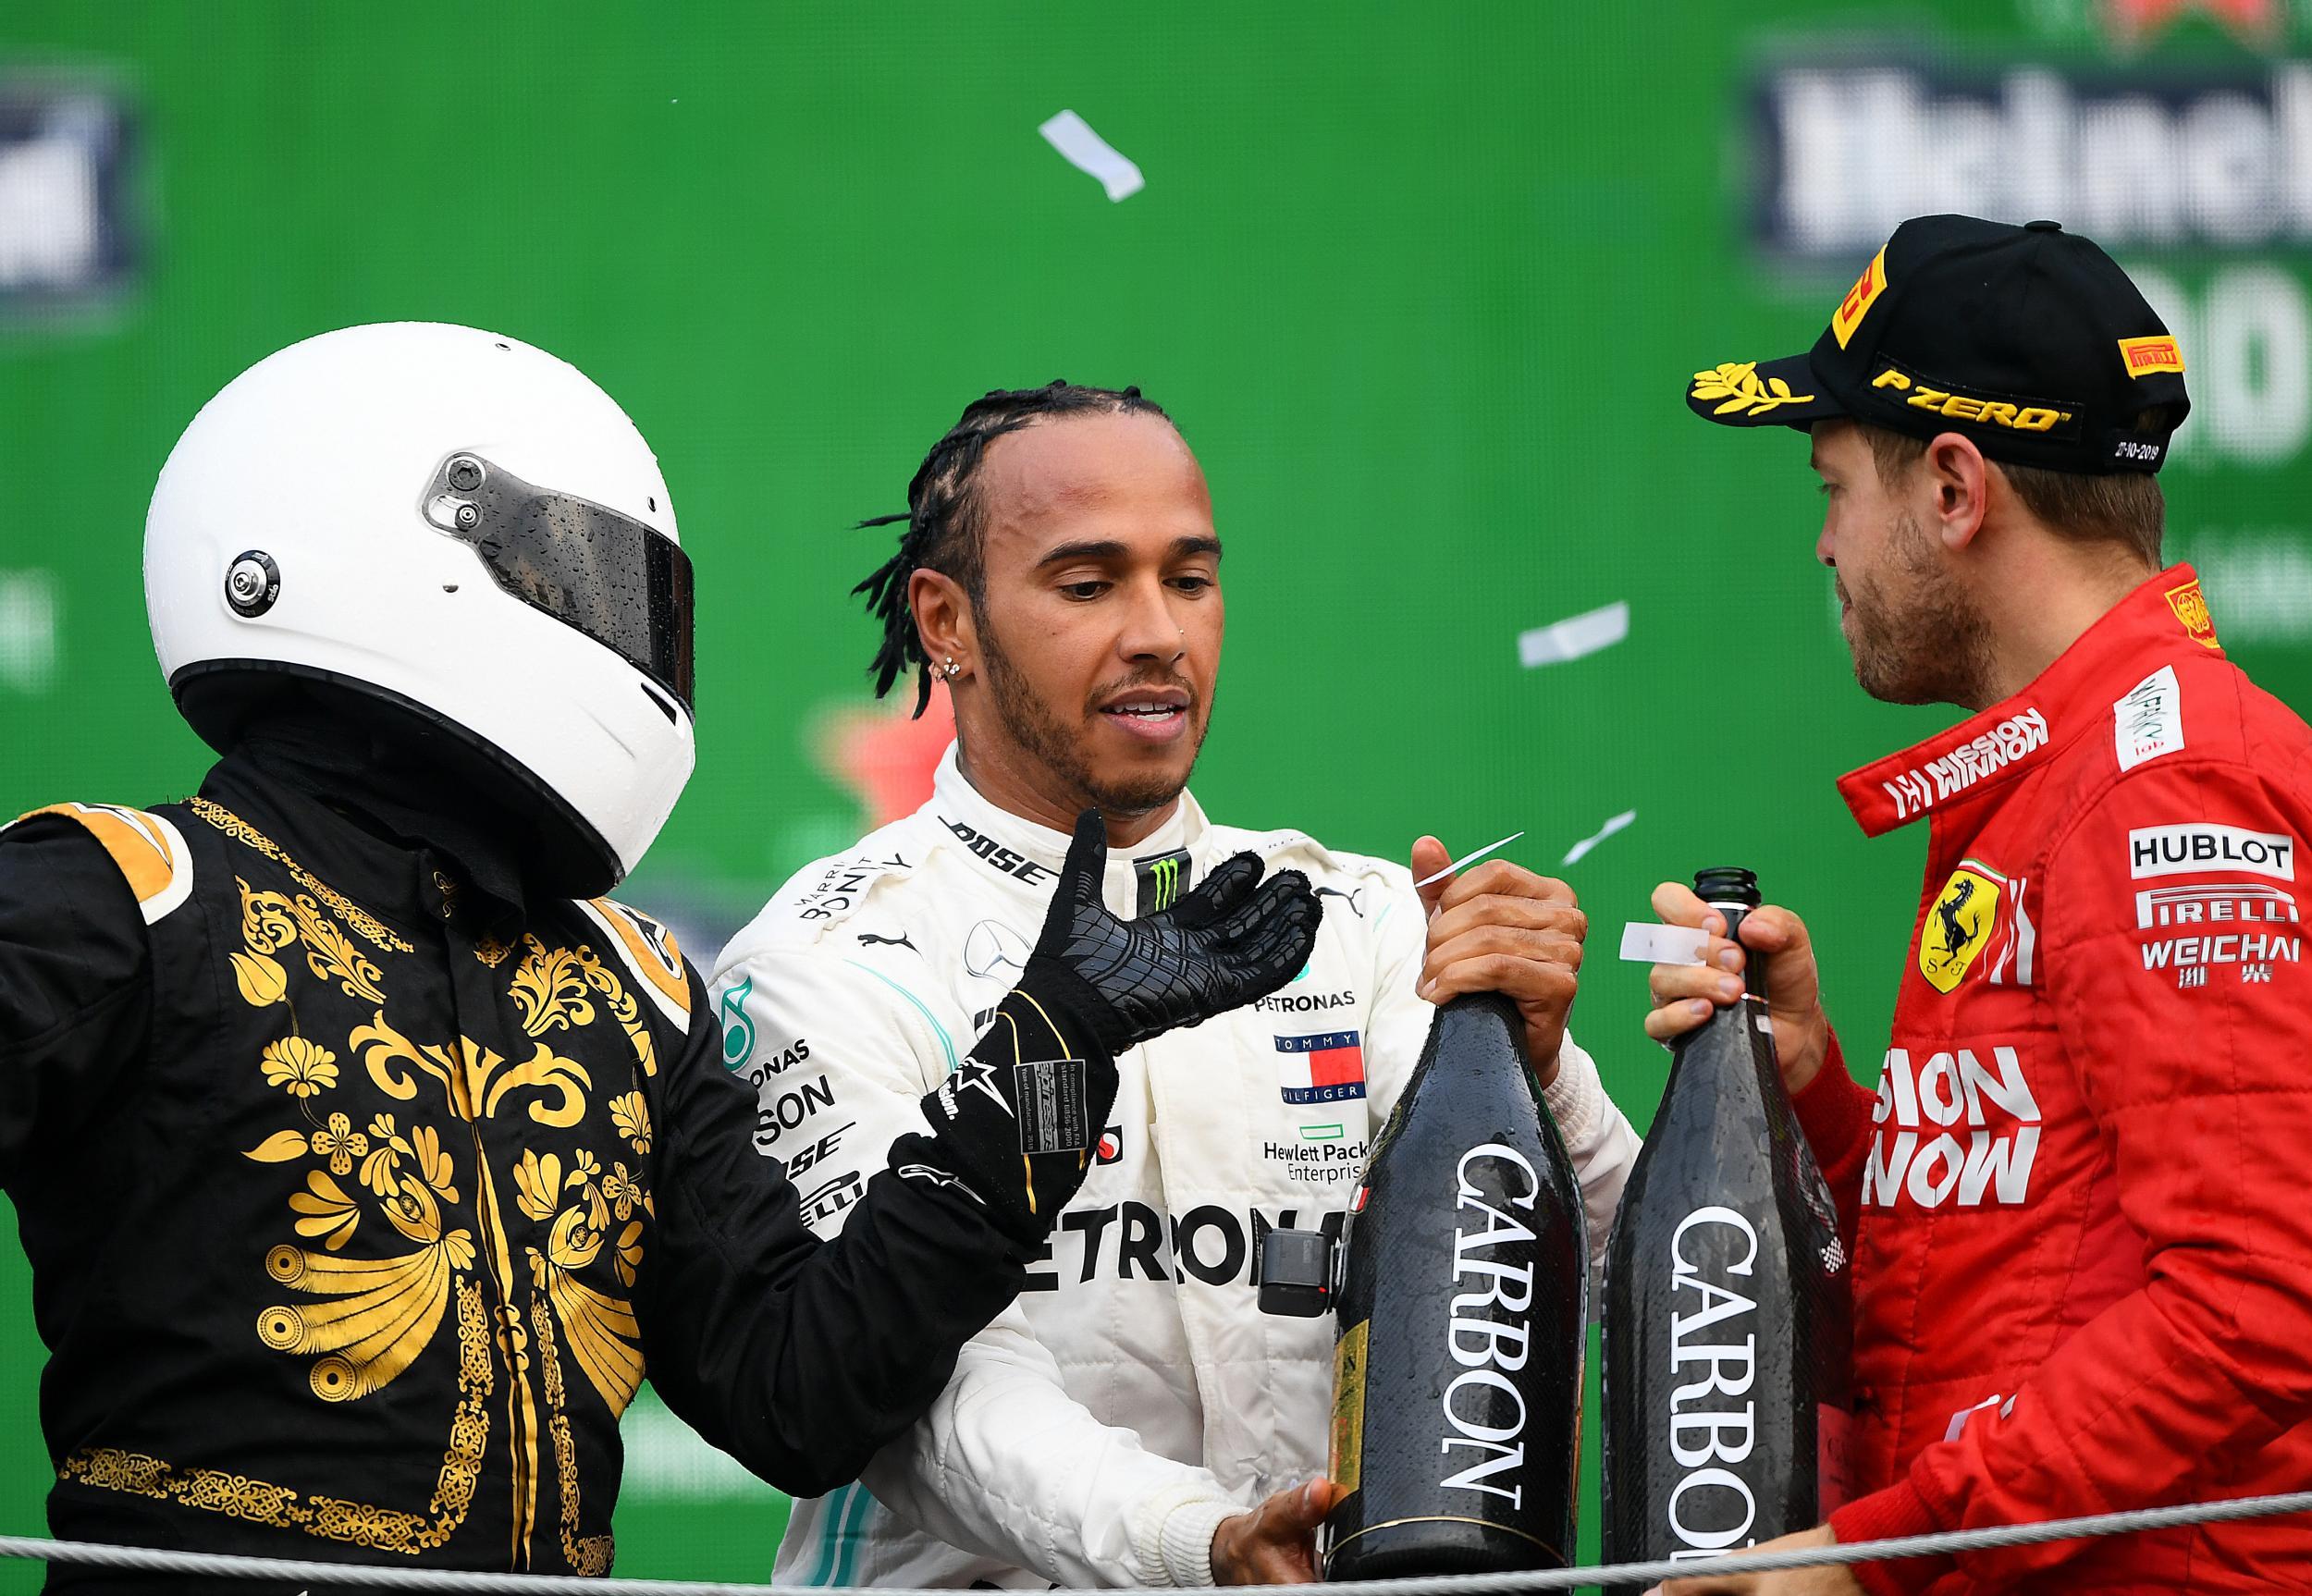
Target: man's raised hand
x,y
1500,928
1234,939
1685,995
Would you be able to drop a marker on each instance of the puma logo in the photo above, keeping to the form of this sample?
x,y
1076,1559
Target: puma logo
x,y
1355,907
899,941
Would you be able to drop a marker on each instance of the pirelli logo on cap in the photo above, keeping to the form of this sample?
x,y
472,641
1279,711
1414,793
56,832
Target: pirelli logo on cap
x,y
2145,356
2016,415
1860,298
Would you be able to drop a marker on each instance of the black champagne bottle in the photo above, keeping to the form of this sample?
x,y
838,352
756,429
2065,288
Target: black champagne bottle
x,y
1727,1314
1456,1402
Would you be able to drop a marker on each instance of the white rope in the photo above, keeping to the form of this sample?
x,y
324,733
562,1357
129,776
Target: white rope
x,y
216,1566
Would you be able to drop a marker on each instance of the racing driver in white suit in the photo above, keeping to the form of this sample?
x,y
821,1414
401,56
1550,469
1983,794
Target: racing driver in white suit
x,y
1134,1418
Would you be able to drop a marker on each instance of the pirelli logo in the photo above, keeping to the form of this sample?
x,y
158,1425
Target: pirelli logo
x,y
2145,356
1919,394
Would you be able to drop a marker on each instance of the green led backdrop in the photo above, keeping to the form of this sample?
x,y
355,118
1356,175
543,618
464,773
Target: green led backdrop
x,y
1421,285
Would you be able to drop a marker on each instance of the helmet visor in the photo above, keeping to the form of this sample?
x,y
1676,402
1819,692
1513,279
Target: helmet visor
x,y
621,583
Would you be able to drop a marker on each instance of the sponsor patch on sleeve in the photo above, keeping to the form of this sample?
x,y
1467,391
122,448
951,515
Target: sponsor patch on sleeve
x,y
2196,847
2148,721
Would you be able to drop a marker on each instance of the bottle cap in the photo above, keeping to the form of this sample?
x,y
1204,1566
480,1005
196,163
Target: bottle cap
x,y
1728,884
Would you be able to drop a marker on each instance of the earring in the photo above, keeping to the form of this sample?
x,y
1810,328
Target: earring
x,y
950,670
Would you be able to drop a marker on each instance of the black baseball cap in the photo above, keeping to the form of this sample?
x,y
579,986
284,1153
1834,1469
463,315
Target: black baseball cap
x,y
2029,340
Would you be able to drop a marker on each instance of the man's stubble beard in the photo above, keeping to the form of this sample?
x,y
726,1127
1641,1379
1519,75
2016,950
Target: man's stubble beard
x,y
1031,723
1930,646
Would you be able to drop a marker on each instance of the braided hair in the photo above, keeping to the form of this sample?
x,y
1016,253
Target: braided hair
x,y
944,516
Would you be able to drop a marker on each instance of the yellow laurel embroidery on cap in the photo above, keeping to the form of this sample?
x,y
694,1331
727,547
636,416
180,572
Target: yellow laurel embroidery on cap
x,y
2159,352
1859,299
1740,389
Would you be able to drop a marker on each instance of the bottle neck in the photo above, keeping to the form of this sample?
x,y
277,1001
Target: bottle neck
x,y
1754,971
1476,1032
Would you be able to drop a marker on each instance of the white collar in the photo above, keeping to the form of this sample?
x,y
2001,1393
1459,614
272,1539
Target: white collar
x,y
955,801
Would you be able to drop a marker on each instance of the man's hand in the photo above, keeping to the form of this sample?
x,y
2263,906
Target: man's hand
x,y
1275,1543
1235,937
1501,928
1831,1579
1685,994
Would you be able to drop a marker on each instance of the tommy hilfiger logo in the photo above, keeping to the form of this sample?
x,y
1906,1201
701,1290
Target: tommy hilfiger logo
x,y
1328,1067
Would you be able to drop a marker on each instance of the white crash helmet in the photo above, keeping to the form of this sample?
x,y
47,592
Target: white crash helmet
x,y
453,523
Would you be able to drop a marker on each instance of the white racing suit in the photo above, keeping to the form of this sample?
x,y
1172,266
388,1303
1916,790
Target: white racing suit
x,y
1135,1396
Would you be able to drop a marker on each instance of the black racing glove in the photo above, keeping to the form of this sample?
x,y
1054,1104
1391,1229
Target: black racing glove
x,y
1017,1119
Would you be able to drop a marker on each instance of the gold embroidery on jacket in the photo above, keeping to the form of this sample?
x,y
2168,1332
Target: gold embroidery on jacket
x,y
587,1554
550,987
359,1523
471,1077
364,1321
240,830
272,921
602,1329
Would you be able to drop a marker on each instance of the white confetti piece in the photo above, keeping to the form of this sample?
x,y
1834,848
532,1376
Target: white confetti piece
x,y
1468,859
1088,152
1575,854
1644,942
1574,637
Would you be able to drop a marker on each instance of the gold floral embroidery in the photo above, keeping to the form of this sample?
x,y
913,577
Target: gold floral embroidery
x,y
329,1214
300,1067
550,989
631,1114
381,1171
491,951
240,830
262,980
622,1191
378,1528
473,1074
589,1554
339,1143
602,1329
550,986
385,1310
539,1185
1739,385
272,921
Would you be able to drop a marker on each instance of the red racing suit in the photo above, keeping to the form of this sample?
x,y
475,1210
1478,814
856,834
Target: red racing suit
x,y
2077,1204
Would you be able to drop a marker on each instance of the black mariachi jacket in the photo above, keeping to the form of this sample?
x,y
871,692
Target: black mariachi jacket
x,y
360,1197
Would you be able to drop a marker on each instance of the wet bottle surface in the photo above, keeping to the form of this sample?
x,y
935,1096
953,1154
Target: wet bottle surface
x,y
1464,1298
1727,1313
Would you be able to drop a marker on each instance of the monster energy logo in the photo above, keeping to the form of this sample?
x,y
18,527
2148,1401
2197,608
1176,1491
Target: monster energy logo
x,y
738,1031
1161,880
